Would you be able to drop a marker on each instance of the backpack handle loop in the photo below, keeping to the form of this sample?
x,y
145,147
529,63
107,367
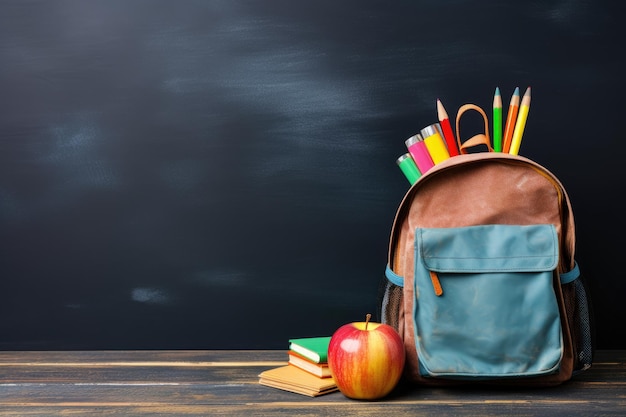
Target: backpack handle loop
x,y
479,139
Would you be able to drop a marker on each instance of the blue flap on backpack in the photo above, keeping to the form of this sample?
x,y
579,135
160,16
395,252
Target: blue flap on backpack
x,y
485,303
489,248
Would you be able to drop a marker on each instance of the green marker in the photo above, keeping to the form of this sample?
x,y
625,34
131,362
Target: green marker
x,y
408,167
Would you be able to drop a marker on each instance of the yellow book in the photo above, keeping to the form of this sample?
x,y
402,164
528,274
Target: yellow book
x,y
293,379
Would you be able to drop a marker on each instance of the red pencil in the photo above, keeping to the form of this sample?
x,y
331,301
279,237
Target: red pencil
x,y
448,134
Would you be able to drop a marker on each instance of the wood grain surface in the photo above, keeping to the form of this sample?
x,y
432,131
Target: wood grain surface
x,y
203,383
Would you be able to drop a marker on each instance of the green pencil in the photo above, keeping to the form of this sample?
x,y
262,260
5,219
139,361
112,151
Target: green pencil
x,y
497,121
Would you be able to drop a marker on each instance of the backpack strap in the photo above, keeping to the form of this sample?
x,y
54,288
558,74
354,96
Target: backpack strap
x,y
571,275
480,139
393,277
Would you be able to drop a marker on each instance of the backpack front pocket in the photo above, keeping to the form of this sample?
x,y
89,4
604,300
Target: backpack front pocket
x,y
485,301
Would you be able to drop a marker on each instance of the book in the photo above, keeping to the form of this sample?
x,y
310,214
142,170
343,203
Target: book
x,y
293,379
320,370
313,348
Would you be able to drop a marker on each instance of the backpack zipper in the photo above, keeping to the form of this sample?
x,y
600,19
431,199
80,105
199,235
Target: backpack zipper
x,y
436,283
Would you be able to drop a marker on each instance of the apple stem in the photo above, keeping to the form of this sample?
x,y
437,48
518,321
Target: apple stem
x,y
368,316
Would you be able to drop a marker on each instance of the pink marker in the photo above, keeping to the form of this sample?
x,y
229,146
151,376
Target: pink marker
x,y
418,150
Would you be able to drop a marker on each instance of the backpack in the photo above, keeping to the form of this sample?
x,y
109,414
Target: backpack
x,y
481,281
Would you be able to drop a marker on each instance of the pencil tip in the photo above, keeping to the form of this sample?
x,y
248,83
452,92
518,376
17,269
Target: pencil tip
x,y
516,92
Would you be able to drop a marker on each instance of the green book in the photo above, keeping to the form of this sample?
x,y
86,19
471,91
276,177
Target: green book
x,y
313,348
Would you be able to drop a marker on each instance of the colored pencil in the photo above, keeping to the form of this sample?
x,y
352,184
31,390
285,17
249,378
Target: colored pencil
x,y
497,121
511,117
520,123
446,128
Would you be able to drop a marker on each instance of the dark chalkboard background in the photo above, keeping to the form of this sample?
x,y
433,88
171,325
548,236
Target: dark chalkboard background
x,y
220,174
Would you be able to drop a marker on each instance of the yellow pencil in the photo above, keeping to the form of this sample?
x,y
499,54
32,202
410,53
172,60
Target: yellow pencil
x,y
524,107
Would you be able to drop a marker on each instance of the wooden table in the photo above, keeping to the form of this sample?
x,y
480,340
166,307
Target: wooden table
x,y
213,383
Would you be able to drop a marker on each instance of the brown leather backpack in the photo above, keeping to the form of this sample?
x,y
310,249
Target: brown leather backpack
x,y
481,280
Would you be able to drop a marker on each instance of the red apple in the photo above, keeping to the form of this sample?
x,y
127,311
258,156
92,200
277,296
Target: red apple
x,y
366,359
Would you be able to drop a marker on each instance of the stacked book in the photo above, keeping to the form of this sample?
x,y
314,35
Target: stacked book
x,y
307,369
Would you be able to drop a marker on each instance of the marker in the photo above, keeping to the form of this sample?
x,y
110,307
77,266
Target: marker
x,y
446,129
521,123
408,167
497,121
417,148
511,117
434,143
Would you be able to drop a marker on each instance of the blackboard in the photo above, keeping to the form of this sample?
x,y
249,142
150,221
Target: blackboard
x,y
221,174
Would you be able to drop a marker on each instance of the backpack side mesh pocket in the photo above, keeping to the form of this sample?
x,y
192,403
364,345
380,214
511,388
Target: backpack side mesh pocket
x,y
580,316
